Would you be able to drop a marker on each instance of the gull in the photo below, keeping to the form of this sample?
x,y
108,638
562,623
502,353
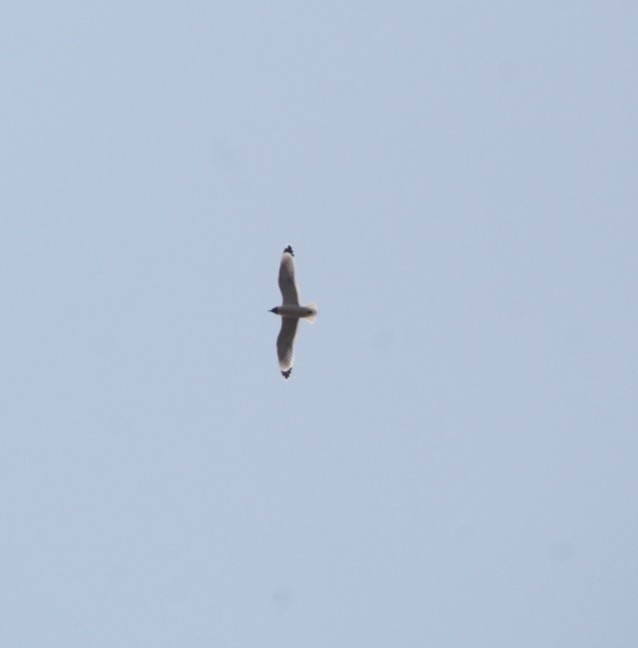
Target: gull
x,y
290,311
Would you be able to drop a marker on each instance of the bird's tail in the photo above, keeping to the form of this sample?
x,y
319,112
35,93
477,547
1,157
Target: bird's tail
x,y
311,318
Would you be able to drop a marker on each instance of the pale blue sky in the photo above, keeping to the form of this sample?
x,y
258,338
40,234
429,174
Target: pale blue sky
x,y
454,461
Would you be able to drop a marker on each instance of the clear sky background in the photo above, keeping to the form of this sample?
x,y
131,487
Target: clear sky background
x,y
454,461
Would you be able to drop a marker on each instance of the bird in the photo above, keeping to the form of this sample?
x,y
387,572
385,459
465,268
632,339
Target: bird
x,y
290,311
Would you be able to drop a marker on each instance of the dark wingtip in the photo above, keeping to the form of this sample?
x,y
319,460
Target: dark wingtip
x,y
289,249
286,374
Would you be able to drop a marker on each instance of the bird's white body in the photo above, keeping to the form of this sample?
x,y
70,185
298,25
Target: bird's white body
x,y
308,312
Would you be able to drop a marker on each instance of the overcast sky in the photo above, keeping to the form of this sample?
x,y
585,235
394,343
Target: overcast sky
x,y
454,461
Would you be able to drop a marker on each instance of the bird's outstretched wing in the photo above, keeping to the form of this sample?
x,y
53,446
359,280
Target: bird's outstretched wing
x,y
285,344
287,283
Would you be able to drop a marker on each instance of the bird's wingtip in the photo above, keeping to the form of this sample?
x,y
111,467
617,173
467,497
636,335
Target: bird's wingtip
x,y
288,248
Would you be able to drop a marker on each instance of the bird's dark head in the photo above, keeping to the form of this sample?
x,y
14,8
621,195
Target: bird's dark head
x,y
274,310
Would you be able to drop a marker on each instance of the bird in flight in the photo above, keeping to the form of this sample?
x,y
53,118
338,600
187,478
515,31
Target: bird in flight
x,y
290,311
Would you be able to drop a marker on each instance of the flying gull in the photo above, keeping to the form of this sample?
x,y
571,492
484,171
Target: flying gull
x,y
291,312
